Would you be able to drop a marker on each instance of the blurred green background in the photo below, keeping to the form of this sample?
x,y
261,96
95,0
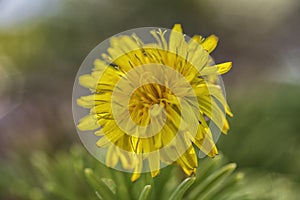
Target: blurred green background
x,y
43,42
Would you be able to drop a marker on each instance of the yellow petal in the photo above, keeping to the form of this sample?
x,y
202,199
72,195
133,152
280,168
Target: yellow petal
x,y
138,164
224,67
102,108
165,136
136,144
228,111
154,164
103,141
126,159
99,65
188,161
210,43
86,101
135,176
217,69
177,42
110,76
206,145
88,123
125,43
177,27
197,38
212,110
87,81
197,55
111,159
94,100
216,91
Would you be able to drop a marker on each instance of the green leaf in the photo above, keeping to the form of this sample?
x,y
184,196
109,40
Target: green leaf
x,y
182,188
201,190
122,185
98,185
145,193
208,166
165,182
227,187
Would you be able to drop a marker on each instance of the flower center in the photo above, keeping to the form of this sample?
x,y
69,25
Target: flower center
x,y
156,110
148,102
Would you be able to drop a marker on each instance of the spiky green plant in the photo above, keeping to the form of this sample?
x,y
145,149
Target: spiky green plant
x,y
74,174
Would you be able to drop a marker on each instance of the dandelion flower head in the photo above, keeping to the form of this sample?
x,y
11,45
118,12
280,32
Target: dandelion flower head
x,y
151,104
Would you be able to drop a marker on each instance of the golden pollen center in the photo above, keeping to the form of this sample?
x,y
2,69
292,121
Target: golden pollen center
x,y
147,101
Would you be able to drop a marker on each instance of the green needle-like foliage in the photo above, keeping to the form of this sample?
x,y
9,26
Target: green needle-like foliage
x,y
75,175
145,192
182,188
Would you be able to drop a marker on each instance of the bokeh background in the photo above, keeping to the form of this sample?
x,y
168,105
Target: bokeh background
x,y
43,43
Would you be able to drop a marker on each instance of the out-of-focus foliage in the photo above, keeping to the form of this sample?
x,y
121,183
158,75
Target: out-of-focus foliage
x,y
75,175
265,129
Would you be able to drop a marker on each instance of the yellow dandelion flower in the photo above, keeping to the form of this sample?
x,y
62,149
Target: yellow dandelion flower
x,y
152,103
